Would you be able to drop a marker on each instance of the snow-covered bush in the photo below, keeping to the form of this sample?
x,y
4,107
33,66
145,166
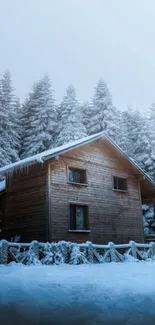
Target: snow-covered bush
x,y
72,253
148,219
58,259
65,249
55,253
129,258
76,256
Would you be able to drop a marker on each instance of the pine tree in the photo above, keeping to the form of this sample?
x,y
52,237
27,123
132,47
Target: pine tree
x,y
9,142
102,115
130,126
71,125
39,119
151,112
144,149
111,123
16,128
3,124
101,101
86,114
136,140
150,115
25,124
58,121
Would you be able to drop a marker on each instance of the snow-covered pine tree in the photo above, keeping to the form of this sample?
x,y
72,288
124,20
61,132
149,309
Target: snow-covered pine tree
x,y
3,124
17,125
130,127
76,256
151,112
58,121
124,130
86,114
71,126
144,149
151,122
10,141
39,119
101,101
136,140
111,123
25,123
103,116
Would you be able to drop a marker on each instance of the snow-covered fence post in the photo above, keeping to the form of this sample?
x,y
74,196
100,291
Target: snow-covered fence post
x,y
35,248
3,252
112,252
133,249
152,249
90,252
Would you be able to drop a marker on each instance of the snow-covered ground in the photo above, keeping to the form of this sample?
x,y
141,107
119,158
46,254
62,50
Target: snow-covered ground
x,y
122,293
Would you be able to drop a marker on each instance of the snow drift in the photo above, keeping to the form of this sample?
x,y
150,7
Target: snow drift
x,y
115,293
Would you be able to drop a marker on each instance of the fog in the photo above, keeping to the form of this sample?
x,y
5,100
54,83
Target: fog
x,y
77,42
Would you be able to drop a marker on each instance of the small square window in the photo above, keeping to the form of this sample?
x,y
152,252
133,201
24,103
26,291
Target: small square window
x,y
79,217
77,176
120,184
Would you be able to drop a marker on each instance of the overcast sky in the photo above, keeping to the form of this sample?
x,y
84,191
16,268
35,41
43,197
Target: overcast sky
x,y
78,41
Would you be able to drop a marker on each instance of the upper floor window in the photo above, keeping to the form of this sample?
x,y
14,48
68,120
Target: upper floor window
x,y
77,176
120,184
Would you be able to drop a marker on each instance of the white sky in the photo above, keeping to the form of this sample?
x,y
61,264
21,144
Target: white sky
x,y
78,41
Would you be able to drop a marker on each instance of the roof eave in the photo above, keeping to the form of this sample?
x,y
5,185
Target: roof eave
x,y
99,136
90,139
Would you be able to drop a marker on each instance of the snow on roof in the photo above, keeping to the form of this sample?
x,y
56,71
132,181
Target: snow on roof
x,y
2,185
45,155
41,157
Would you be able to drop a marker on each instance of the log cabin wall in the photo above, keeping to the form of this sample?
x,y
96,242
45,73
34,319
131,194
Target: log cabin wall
x,y
113,216
25,205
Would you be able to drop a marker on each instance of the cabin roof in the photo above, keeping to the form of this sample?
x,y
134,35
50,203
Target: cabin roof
x,y
48,154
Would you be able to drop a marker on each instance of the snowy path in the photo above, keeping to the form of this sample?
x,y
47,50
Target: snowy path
x,y
85,294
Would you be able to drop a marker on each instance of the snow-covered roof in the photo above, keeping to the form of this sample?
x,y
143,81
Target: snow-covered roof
x,y
2,185
48,154
45,155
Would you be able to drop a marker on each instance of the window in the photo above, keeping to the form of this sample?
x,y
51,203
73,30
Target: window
x,y
77,176
120,184
79,217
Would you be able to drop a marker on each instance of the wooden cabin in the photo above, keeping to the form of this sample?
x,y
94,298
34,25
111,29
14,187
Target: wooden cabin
x,y
88,190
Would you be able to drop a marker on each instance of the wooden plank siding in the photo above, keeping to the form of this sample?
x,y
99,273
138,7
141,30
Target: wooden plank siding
x,y
113,216
25,206
37,198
